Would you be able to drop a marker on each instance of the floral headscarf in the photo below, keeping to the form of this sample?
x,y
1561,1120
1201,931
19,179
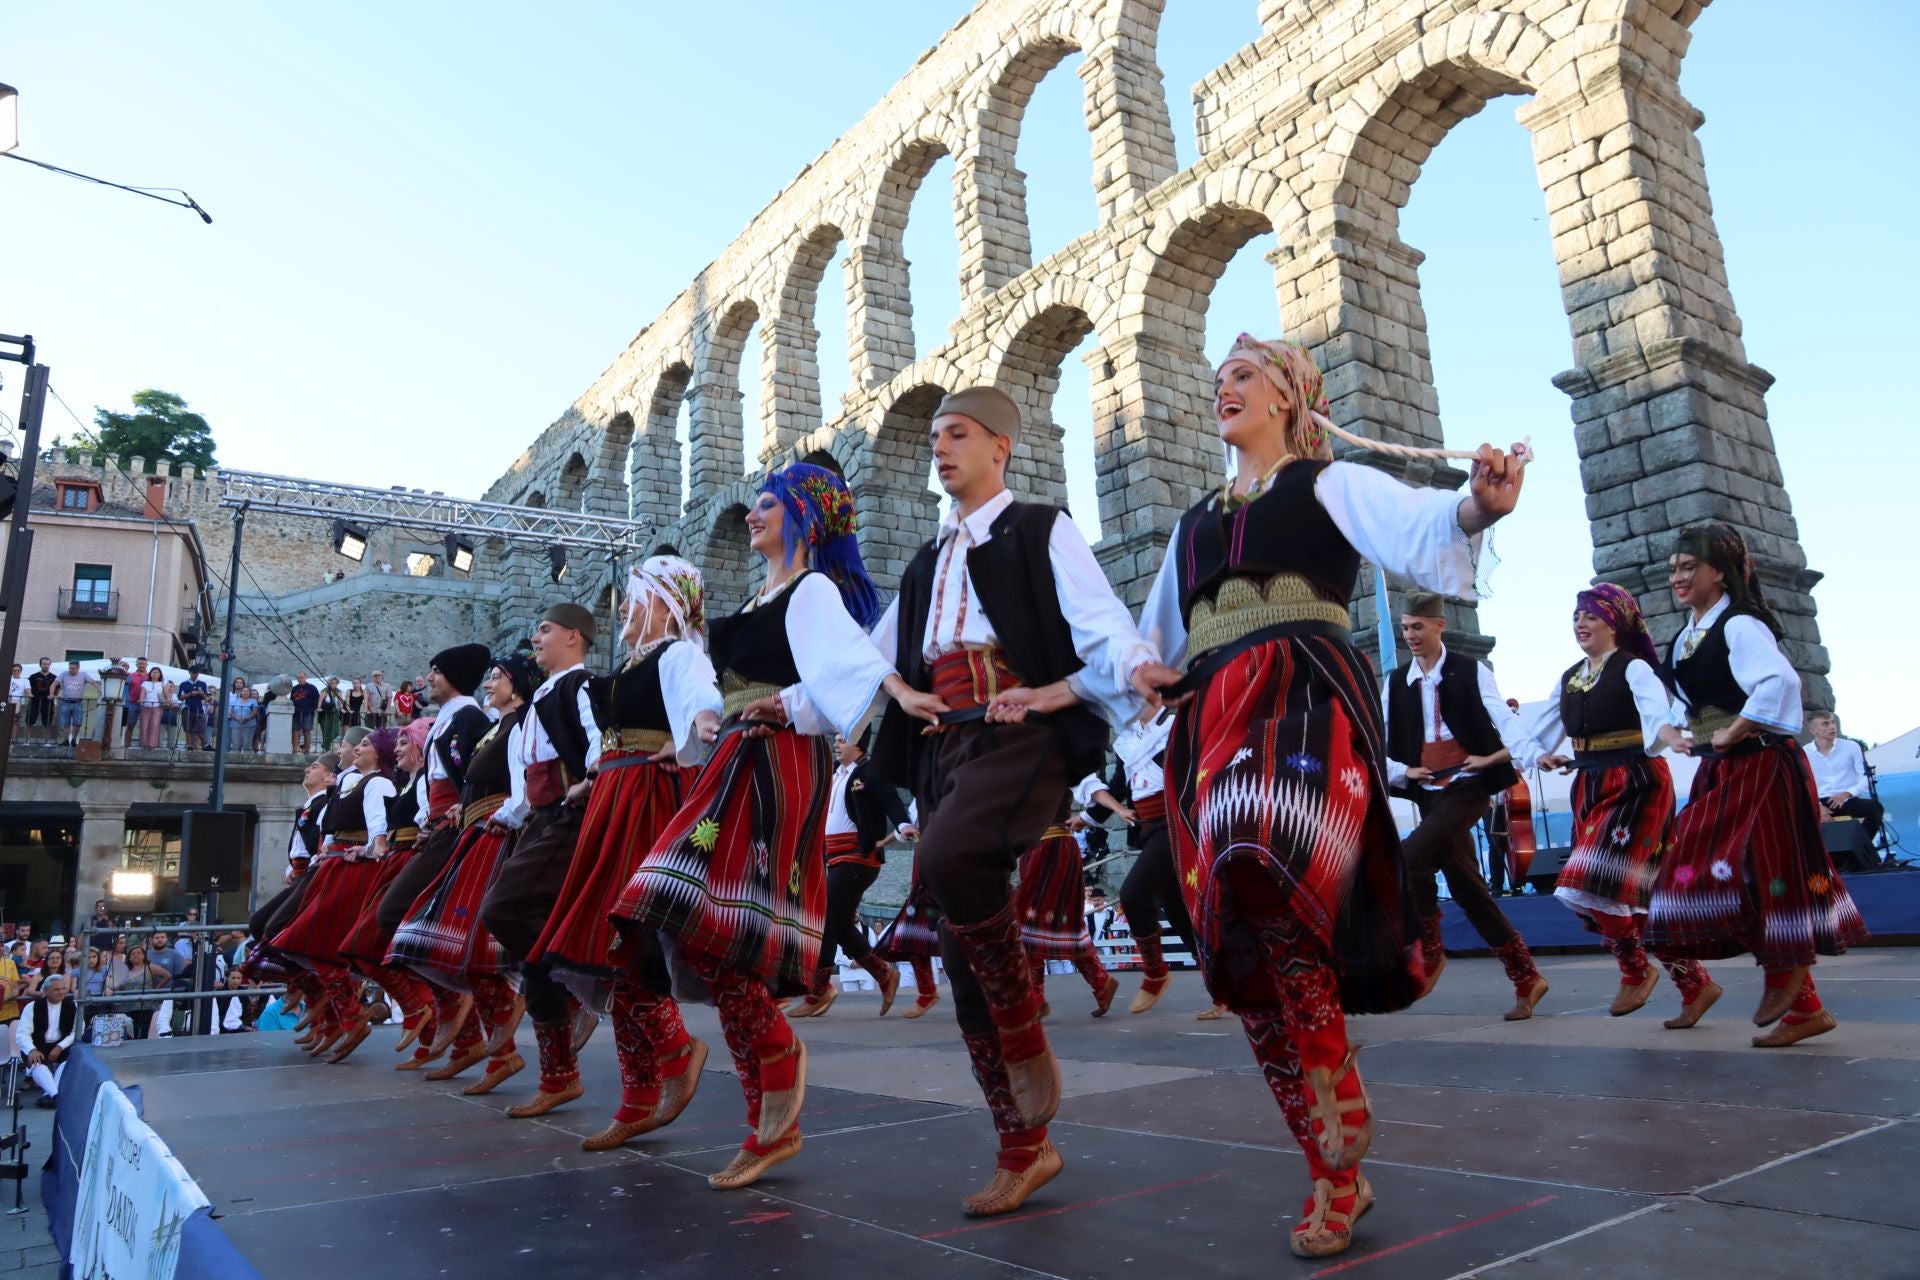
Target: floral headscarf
x,y
1616,607
820,518
677,585
1292,370
1722,547
519,670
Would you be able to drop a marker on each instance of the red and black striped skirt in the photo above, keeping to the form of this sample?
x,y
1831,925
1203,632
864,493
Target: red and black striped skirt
x,y
329,910
1051,902
1277,806
1622,828
367,943
1748,870
915,930
442,937
737,876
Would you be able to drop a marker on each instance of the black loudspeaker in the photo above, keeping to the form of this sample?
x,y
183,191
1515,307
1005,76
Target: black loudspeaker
x,y
1546,867
213,851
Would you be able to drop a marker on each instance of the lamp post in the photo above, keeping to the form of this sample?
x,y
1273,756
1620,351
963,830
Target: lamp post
x,y
113,687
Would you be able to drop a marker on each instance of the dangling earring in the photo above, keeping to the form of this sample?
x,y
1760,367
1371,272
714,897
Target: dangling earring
x,y
1273,409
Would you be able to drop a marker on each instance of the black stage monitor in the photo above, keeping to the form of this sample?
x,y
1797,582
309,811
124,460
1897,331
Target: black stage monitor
x,y
213,854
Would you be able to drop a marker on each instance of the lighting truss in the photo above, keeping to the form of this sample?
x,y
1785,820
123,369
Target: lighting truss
x,y
402,508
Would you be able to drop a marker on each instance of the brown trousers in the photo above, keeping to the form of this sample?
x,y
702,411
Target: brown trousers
x,y
523,895
1442,845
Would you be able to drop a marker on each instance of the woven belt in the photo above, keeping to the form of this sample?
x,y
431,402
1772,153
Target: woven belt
x,y
842,842
1438,756
1151,808
737,693
647,740
547,783
1710,721
480,810
1056,832
1243,606
1608,742
404,837
347,838
442,797
972,676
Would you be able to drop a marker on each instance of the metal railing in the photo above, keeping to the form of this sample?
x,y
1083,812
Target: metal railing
x,y
199,977
88,606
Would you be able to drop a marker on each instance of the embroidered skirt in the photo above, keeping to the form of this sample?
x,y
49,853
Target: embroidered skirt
x,y
736,878
1051,902
1622,827
915,930
1748,871
442,937
626,812
367,942
329,911
1278,813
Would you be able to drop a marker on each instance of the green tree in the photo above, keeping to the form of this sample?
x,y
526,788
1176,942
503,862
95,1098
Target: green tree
x,y
161,428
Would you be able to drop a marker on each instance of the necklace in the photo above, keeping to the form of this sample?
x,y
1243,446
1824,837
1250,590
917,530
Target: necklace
x,y
1583,680
1259,485
767,594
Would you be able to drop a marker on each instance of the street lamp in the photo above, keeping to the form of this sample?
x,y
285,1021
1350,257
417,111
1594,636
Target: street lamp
x,y
113,687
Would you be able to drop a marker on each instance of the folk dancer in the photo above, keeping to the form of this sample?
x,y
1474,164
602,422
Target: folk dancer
x,y
1749,871
1050,903
1276,769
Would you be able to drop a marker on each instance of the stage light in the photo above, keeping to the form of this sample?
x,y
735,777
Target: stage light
x,y
130,886
350,540
459,553
557,563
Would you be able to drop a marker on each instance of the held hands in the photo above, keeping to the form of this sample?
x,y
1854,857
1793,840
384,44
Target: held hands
x,y
577,793
1676,739
1554,764
765,715
909,832
1149,678
1732,736
1420,774
1496,482
1126,814
919,705
1013,706
707,725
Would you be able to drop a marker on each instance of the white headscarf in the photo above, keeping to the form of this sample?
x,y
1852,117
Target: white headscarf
x,y
676,584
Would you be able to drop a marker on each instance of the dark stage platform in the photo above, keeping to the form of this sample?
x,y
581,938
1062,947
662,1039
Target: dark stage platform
x,y
1575,1145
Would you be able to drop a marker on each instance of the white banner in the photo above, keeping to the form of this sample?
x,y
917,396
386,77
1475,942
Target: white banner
x,y
134,1197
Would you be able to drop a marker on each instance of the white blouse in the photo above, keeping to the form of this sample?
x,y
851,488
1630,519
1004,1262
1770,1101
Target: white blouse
x,y
1771,684
1650,698
378,790
841,669
1414,533
839,821
688,686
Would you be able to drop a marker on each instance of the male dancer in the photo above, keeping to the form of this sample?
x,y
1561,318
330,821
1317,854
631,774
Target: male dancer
x,y
864,814
457,729
549,753
1008,618
1449,735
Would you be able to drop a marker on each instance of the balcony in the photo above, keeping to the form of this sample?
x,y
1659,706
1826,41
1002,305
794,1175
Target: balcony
x,y
88,606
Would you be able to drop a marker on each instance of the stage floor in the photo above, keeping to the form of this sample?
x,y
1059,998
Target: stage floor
x,y
1574,1145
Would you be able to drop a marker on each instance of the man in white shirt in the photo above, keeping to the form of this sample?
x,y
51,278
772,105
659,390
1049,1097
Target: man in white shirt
x,y
1840,776
379,699
46,1033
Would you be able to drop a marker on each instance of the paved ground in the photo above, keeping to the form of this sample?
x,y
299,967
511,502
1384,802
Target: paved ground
x,y
1575,1145
27,1251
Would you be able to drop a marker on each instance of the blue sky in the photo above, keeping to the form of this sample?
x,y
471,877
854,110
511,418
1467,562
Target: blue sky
x,y
436,223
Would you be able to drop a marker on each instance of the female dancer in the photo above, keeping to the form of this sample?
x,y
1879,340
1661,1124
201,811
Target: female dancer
x,y
863,814
1050,904
1749,871
338,883
1281,831
1616,708
442,938
647,711
735,884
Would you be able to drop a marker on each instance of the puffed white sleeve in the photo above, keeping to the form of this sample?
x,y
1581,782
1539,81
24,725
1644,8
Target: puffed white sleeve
x,y
840,669
514,811
886,632
689,686
378,792
1772,685
1543,723
1083,790
1652,701
1513,734
1161,622
1104,635
589,724
1414,533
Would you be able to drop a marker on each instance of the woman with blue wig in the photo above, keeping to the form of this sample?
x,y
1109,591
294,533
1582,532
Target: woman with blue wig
x,y
735,885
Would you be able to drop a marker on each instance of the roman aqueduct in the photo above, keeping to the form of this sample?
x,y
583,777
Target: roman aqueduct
x,y
1315,132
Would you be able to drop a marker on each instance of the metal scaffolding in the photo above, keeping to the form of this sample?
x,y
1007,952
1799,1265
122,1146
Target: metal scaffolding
x,y
405,508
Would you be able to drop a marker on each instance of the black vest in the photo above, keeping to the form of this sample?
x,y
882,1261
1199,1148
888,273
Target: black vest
x,y
1606,708
1284,530
404,809
559,713
488,773
1706,679
631,698
347,810
874,805
456,742
752,644
1462,711
306,823
1012,574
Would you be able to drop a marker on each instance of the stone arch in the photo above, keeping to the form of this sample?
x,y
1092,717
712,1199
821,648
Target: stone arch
x,y
824,458
1029,370
896,510
535,499
996,199
794,342
656,491
571,491
719,450
724,560
608,479
881,310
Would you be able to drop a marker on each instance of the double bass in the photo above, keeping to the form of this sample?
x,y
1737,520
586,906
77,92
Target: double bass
x,y
1520,838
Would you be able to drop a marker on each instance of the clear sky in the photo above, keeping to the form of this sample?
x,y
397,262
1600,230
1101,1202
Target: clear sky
x,y
435,223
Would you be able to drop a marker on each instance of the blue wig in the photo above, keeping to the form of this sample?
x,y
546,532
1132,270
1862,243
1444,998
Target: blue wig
x,y
820,518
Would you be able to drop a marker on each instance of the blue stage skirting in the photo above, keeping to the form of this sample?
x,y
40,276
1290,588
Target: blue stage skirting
x,y
1890,901
205,1251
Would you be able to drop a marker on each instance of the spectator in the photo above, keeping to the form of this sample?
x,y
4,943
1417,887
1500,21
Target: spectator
x,y
136,975
192,693
167,957
333,709
356,706
236,1013
243,713
305,698
53,964
379,700
97,984
152,700
136,681
42,688
403,703
11,986
72,688
47,1033
18,694
260,723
